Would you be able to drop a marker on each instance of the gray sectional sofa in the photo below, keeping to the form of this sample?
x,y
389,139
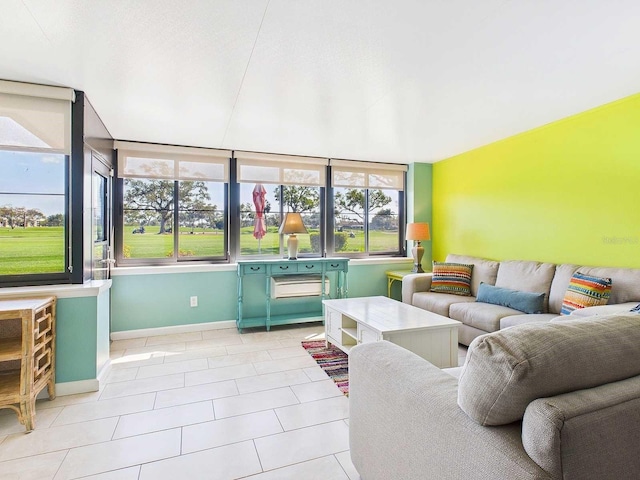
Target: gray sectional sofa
x,y
479,318
555,400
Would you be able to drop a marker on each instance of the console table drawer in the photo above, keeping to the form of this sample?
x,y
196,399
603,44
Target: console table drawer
x,y
283,268
332,266
310,267
253,269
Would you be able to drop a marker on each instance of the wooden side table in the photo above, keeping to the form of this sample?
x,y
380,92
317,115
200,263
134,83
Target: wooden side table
x,y
27,354
395,276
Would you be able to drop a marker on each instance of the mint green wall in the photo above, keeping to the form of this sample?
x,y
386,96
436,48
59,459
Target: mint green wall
x,y
76,333
369,280
161,300
420,203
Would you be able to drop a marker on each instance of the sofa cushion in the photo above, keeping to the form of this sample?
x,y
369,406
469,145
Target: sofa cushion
x,y
526,276
585,291
506,370
625,282
526,302
601,310
438,302
484,316
483,270
452,278
559,285
513,320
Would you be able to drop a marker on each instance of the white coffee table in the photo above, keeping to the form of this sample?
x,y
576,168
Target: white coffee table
x,y
351,321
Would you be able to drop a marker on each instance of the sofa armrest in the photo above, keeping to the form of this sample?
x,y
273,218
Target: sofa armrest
x,y
405,423
416,282
587,434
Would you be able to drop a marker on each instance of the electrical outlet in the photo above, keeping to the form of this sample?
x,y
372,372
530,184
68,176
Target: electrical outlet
x,y
194,301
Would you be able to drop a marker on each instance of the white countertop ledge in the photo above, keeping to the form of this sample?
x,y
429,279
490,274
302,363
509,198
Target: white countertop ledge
x,y
91,288
232,267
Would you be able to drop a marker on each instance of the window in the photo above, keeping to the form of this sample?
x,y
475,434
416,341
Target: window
x,y
174,203
367,204
272,185
35,147
179,204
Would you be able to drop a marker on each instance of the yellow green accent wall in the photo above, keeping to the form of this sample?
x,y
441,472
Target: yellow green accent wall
x,y
567,192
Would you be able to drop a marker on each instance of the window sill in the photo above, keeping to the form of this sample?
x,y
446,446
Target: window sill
x,y
232,267
380,260
159,269
92,288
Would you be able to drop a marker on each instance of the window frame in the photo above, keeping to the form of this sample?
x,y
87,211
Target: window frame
x,y
367,169
63,276
401,251
119,187
282,241
65,99
233,205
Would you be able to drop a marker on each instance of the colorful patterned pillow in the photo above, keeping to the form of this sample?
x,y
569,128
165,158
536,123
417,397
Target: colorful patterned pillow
x,y
585,291
454,278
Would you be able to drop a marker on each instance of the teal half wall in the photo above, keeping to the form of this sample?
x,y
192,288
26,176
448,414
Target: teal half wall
x,y
82,338
76,331
82,331
162,300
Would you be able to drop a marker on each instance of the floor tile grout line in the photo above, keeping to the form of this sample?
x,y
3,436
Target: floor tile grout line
x,y
255,447
256,349
61,463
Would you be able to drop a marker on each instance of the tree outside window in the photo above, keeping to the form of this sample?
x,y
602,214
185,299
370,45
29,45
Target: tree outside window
x,y
150,210
366,220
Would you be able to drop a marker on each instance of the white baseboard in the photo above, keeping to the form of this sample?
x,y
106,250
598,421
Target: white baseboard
x,y
80,386
73,388
104,372
154,332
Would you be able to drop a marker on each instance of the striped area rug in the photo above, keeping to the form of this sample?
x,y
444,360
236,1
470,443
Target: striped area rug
x,y
332,360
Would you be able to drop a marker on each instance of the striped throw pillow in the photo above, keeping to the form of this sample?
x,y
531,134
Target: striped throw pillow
x,y
585,291
454,278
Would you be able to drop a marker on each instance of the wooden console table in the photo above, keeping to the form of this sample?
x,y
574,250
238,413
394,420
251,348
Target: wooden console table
x,y
266,269
27,354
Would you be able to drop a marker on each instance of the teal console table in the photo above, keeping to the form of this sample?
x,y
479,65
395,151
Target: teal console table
x,y
254,283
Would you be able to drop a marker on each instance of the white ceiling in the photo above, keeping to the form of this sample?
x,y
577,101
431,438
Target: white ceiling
x,y
383,80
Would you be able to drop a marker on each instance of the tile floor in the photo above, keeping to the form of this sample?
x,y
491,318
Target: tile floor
x,y
203,405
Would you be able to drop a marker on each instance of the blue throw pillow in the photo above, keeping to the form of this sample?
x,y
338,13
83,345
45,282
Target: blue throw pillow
x,y
526,302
